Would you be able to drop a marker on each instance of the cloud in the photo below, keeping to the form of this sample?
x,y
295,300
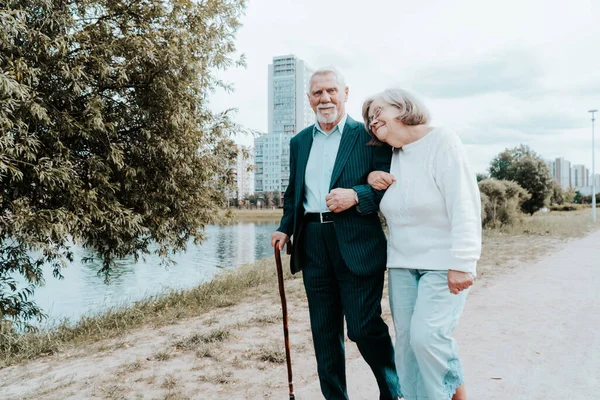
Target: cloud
x,y
500,74
515,72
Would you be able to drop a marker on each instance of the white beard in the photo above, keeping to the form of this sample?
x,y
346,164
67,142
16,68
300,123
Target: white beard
x,y
327,119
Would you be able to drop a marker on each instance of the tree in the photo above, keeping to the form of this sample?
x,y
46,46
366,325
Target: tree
x,y
252,199
276,198
481,176
267,198
107,139
524,166
558,195
570,195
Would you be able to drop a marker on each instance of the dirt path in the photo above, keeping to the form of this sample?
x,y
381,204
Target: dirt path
x,y
526,335
529,332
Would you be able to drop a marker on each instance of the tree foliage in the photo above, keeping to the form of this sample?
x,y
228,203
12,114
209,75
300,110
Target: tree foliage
x,y
558,195
524,166
107,140
481,176
501,202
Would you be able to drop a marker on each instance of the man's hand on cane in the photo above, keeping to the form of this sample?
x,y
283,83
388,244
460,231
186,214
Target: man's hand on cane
x,y
280,237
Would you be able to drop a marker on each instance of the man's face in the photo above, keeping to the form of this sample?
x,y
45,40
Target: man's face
x,y
327,98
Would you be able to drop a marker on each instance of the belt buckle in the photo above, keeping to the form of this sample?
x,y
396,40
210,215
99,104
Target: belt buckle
x,y
321,218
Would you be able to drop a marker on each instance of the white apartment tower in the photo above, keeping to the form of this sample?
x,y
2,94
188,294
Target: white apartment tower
x,y
562,173
244,174
289,113
579,176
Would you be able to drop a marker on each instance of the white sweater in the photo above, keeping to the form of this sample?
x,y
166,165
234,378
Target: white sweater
x,y
433,210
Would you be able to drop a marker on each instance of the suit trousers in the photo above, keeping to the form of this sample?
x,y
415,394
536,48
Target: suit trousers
x,y
333,293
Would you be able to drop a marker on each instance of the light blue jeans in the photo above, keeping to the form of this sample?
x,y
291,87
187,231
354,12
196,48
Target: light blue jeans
x,y
425,314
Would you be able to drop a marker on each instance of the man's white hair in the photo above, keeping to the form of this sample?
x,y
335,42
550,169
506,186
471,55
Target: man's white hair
x,y
331,70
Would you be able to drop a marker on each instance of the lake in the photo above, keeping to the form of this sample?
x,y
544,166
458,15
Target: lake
x,y
83,290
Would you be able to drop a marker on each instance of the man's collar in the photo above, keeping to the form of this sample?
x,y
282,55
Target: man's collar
x,y
339,126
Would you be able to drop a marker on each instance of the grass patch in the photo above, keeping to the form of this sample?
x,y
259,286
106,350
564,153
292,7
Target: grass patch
x,y
233,288
169,383
225,290
194,341
564,225
270,354
264,215
162,356
266,320
129,368
205,351
221,378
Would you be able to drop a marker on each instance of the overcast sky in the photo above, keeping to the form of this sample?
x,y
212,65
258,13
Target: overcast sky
x,y
499,73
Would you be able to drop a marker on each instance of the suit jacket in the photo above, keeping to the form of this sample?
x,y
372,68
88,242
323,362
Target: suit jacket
x,y
358,230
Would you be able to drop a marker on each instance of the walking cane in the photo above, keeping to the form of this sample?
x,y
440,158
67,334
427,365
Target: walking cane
x,y
286,334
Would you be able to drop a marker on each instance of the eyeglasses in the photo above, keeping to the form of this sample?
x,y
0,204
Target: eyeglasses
x,y
375,115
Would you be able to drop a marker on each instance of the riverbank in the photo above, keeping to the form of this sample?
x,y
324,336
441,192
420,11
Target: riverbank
x,y
254,215
221,339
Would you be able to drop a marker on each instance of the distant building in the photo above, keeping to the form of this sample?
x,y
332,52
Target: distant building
x,y
562,173
289,112
587,191
244,174
579,176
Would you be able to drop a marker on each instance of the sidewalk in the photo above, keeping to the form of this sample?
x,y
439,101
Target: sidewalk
x,y
530,334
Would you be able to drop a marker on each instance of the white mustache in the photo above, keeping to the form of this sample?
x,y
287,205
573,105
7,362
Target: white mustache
x,y
325,105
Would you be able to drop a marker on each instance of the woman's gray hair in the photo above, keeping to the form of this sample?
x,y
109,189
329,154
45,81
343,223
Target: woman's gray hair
x,y
412,110
331,70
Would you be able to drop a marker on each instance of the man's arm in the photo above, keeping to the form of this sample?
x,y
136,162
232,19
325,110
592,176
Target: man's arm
x,y
369,198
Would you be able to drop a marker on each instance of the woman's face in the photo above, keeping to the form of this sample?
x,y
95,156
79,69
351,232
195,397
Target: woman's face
x,y
383,118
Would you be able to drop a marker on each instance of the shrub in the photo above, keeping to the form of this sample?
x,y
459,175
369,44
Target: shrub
x,y
501,202
564,207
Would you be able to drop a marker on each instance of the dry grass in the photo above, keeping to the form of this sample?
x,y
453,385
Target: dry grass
x,y
559,224
272,354
525,241
257,215
228,289
195,341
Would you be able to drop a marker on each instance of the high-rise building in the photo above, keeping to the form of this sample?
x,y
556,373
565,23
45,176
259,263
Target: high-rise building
x,y
562,172
596,178
289,113
244,174
245,171
551,164
579,176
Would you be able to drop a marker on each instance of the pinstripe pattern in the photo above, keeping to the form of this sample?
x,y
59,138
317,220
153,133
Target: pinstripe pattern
x,y
333,293
343,263
361,238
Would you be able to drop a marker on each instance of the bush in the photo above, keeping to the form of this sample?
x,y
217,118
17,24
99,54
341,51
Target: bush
x,y
501,202
558,195
564,207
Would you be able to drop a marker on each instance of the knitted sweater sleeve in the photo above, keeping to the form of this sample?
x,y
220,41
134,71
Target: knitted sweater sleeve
x,y
458,185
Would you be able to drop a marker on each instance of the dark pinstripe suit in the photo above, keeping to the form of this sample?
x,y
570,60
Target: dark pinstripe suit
x,y
343,262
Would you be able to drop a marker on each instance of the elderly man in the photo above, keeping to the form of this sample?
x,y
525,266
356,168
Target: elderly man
x,y
330,212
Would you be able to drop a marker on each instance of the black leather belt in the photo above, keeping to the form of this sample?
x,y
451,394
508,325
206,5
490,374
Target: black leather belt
x,y
324,217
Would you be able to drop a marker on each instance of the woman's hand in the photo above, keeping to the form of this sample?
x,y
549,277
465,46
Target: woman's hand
x,y
380,180
458,281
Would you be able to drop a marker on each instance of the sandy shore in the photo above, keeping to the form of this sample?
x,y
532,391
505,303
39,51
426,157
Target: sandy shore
x,y
528,333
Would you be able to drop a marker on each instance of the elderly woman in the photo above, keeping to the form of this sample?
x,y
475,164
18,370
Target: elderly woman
x,y
432,208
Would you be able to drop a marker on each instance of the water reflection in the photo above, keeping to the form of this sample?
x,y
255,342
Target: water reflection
x,y
83,290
